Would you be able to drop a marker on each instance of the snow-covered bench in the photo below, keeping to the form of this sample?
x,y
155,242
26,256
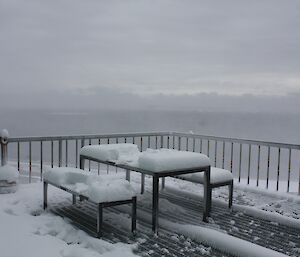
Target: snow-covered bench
x,y
103,191
218,178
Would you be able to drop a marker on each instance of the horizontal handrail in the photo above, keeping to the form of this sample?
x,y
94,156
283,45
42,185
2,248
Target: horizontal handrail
x,y
237,140
139,134
85,136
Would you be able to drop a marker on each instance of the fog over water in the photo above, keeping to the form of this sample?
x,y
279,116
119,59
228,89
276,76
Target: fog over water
x,y
278,127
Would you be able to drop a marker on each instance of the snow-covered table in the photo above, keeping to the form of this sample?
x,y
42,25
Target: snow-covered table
x,y
156,163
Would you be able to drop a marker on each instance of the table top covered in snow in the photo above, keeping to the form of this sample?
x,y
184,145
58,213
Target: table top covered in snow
x,y
164,162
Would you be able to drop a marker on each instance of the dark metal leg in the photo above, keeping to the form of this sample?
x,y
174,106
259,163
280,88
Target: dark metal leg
x,y
81,163
45,195
230,194
142,183
207,195
81,198
99,220
133,218
163,182
155,195
74,199
128,175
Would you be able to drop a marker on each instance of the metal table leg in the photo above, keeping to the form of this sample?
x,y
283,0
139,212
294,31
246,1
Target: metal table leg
x,y
155,195
45,195
81,163
142,183
128,175
207,195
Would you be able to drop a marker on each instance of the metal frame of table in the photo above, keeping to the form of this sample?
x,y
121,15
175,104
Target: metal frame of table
x,y
155,186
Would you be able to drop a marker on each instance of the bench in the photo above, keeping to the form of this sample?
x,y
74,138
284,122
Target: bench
x,y
218,178
104,192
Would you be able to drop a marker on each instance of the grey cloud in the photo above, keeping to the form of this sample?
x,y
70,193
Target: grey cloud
x,y
232,47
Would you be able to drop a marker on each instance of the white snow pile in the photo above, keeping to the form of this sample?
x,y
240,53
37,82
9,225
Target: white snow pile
x,y
96,188
221,241
168,159
217,175
124,153
4,133
28,231
9,177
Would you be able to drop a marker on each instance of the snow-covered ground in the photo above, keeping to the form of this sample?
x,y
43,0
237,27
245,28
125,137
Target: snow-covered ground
x,y
26,230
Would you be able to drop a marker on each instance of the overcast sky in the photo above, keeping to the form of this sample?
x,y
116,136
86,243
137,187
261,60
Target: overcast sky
x,y
80,48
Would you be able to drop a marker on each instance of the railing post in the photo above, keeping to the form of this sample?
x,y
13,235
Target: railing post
x,y
4,141
59,153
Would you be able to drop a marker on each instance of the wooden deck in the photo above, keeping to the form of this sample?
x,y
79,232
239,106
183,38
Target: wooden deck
x,y
169,243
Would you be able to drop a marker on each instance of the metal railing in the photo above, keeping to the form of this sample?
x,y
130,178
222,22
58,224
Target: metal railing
x,y
264,164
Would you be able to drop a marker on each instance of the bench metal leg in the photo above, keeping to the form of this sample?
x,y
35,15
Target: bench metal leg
x,y
230,195
45,195
99,220
155,200
128,175
163,182
142,183
74,199
133,214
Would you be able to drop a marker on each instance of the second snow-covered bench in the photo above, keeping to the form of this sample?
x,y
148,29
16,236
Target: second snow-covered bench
x,y
104,192
218,178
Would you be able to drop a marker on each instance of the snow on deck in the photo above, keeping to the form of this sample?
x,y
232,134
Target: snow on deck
x,y
181,202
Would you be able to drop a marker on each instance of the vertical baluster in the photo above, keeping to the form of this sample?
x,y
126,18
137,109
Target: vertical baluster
x,y
90,142
133,140
117,142
125,140
99,142
223,155
107,167
76,153
155,142
18,156
299,182
66,153
149,138
240,165
41,153
289,170
216,152
179,143
231,157
268,168
82,145
187,144
249,165
258,166
278,169
173,142
208,147
161,141
168,142
194,144
30,164
141,144
59,153
201,145
51,153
